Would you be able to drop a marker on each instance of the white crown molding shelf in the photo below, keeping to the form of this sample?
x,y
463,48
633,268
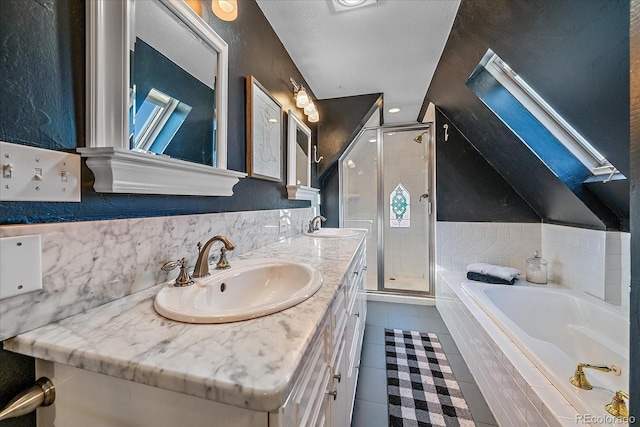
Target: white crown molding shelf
x,y
118,170
301,192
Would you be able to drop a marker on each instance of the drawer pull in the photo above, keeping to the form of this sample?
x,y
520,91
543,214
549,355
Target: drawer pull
x,y
333,393
338,376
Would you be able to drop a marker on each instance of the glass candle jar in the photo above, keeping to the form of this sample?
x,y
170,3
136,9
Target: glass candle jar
x,y
536,269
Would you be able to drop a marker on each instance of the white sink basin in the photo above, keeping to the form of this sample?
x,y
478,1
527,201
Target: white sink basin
x,y
249,289
332,232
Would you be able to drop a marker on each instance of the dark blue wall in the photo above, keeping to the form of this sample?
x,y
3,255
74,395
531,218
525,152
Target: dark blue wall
x,y
468,189
42,104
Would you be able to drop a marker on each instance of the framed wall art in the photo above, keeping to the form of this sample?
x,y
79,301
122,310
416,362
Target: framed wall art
x,y
264,133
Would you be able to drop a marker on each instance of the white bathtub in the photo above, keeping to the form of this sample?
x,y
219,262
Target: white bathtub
x,y
558,328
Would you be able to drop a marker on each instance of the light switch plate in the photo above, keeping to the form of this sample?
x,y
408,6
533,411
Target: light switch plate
x,y
20,265
36,174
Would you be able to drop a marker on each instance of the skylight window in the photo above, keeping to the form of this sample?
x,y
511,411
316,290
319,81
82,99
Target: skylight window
x,y
553,122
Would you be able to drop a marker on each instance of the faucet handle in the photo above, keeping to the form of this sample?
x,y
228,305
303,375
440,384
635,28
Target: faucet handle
x,y
183,278
617,407
222,263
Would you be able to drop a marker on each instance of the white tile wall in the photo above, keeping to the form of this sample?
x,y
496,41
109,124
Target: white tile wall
x,y
576,256
613,268
625,267
461,243
516,391
593,261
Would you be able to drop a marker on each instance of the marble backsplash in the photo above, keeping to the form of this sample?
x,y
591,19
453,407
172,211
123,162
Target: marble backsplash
x,y
87,264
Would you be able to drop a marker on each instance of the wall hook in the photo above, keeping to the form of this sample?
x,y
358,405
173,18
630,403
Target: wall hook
x,y
315,155
446,132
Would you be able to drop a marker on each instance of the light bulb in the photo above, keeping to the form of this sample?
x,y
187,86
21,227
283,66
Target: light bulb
x,y
310,108
227,10
314,118
225,5
302,99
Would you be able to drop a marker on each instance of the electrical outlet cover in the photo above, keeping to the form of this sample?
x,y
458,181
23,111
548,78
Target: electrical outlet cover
x,y
20,265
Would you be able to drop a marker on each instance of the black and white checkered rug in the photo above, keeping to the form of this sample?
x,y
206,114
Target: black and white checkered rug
x,y
421,386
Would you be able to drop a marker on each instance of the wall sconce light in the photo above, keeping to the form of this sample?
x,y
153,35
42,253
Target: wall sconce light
x,y
303,100
227,10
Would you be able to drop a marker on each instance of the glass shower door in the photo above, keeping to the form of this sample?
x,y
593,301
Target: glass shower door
x,y
406,209
360,196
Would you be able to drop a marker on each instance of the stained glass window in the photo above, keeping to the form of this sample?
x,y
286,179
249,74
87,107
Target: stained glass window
x,y
400,207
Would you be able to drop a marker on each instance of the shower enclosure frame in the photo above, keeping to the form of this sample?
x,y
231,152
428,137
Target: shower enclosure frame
x,y
429,127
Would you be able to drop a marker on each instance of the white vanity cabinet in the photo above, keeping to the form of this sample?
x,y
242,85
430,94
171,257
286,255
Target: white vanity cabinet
x,y
322,394
349,334
325,391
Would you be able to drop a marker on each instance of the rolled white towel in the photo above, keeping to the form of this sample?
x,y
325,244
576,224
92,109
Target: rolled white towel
x,y
506,273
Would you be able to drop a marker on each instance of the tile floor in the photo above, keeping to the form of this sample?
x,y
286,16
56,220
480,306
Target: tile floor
x,y
370,408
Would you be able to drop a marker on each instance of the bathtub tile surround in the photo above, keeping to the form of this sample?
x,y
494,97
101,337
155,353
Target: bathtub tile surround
x,y
462,243
593,261
87,264
576,257
618,268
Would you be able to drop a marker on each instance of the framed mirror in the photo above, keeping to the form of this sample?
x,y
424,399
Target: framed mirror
x,y
156,100
299,160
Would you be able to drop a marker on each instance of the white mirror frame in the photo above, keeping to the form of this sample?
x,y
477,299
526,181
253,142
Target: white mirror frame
x,y
294,191
117,169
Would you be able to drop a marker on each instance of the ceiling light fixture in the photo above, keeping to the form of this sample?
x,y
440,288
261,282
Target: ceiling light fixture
x,y
303,100
227,10
394,110
343,5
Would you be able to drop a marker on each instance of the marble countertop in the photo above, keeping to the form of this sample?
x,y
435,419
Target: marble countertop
x,y
250,364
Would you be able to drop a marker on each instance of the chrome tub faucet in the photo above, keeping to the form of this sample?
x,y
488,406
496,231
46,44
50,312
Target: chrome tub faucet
x,y
314,224
202,264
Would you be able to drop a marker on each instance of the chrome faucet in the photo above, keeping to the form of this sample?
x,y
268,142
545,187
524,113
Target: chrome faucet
x,y
202,264
314,223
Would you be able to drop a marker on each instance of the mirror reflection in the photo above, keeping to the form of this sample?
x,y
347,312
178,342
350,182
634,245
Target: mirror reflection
x,y
157,121
299,156
302,158
172,107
